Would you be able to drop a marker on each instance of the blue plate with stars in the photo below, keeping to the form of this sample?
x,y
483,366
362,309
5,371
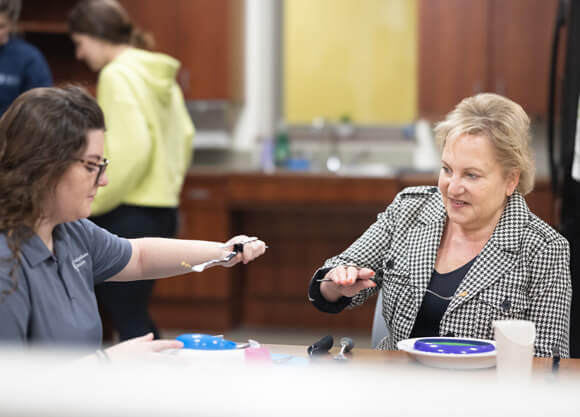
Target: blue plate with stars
x,y
451,352
200,341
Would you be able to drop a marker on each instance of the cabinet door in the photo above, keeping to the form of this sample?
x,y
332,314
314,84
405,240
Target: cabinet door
x,y
205,47
521,35
205,35
159,19
453,46
203,216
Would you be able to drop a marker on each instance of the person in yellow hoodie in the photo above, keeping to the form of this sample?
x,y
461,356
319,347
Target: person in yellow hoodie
x,y
149,137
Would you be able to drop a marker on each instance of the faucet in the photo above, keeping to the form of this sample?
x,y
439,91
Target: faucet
x,y
324,129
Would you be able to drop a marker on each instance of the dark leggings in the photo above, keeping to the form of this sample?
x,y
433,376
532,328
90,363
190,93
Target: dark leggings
x,y
125,304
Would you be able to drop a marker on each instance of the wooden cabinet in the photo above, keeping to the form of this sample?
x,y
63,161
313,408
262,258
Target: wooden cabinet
x,y
203,216
452,53
542,203
212,50
205,300
46,27
521,39
207,36
467,47
304,220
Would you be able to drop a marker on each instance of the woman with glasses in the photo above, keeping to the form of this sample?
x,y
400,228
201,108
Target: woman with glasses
x,y
149,137
451,259
51,256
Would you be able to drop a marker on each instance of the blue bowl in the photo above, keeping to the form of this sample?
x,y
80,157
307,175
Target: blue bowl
x,y
453,346
200,341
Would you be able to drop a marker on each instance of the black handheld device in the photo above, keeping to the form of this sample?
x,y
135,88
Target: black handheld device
x,y
321,346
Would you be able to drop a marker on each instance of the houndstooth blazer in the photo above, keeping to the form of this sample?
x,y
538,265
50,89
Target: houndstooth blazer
x,y
521,273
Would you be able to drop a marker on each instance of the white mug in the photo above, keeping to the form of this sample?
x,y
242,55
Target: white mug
x,y
514,348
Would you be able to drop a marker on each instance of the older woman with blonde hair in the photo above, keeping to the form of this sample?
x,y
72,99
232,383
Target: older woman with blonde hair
x,y
456,257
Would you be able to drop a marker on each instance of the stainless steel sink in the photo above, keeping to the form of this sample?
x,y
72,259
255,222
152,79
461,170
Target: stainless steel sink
x,y
367,169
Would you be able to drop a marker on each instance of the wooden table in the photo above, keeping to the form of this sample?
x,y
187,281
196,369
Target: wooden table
x,y
568,368
371,383
393,383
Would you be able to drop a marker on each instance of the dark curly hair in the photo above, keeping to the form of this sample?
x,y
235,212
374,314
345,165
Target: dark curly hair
x,y
41,135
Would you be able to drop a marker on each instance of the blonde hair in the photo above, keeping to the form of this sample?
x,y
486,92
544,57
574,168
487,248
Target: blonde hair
x,y
504,123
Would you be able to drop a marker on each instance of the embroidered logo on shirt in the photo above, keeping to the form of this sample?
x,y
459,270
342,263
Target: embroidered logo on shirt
x,y
79,261
9,79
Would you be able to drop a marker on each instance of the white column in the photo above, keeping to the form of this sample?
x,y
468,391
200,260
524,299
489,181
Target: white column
x,y
262,82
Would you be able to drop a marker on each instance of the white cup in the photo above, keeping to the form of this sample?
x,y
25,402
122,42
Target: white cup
x,y
514,348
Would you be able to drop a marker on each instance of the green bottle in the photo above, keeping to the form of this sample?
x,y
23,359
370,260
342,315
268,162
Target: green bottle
x,y
281,149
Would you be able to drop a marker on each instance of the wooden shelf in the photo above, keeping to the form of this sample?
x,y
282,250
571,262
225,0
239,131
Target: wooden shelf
x,y
44,27
59,51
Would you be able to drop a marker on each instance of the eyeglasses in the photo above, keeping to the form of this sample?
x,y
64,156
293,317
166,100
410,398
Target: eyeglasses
x,y
91,166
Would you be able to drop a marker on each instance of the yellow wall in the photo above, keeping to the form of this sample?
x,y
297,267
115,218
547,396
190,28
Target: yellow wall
x,y
350,56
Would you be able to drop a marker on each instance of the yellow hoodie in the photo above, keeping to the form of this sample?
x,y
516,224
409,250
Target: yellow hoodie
x,y
149,132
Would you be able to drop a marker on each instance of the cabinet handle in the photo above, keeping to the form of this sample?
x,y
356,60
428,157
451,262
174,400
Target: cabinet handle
x,y
184,78
477,87
198,194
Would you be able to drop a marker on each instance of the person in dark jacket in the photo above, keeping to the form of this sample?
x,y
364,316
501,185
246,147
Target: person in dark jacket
x,y
22,66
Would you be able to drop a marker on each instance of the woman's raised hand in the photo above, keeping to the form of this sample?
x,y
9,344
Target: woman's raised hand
x,y
346,281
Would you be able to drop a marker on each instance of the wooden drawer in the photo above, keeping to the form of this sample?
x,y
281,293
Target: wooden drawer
x,y
309,189
204,192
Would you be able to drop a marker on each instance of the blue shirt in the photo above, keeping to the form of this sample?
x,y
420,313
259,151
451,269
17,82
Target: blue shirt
x,y
54,301
22,67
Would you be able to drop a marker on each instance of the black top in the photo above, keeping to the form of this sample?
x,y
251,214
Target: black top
x,y
433,307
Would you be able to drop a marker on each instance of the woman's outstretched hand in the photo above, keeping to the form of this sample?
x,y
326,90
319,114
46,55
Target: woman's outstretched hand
x,y
252,248
346,281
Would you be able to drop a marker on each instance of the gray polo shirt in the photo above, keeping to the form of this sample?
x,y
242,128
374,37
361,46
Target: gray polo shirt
x,y
54,302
